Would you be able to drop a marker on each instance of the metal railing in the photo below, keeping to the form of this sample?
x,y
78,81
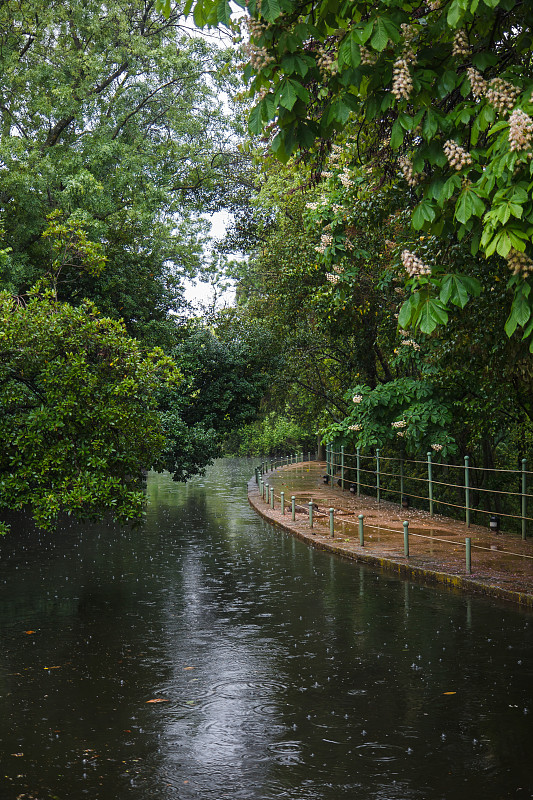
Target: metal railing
x,y
462,491
305,509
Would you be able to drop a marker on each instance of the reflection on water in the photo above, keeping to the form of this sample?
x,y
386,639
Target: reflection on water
x,y
281,671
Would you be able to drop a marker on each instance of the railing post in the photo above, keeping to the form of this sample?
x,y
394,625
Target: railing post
x,y
468,543
342,467
377,475
310,513
293,508
361,531
430,485
271,497
282,503
331,522
467,491
406,539
524,498
257,476
265,494
358,456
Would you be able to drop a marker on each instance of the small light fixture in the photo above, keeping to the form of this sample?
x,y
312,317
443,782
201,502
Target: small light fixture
x,y
405,501
494,523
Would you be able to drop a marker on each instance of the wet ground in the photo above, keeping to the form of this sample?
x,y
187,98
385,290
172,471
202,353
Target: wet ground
x,y
207,655
501,564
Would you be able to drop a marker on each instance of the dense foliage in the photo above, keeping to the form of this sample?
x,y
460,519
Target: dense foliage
x,y
79,418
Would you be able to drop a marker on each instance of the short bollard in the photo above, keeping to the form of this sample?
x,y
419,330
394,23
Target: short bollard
x,y
331,522
265,496
361,530
271,497
293,505
406,539
260,487
257,475
468,543
282,494
310,513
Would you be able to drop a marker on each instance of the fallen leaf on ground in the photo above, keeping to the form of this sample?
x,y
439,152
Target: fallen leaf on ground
x,y
188,667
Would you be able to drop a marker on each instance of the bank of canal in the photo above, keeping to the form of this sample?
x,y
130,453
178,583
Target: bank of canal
x,y
283,672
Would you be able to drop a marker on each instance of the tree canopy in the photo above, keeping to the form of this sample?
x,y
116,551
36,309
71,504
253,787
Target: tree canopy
x,y
440,91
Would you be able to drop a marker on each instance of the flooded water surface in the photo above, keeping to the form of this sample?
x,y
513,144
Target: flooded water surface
x,y
208,655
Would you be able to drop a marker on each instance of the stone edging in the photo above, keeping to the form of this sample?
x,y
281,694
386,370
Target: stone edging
x,y
405,570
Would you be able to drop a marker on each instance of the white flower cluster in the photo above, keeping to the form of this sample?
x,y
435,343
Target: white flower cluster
x,y
437,447
325,174
400,423
519,263
256,27
478,84
332,278
520,130
460,44
410,343
355,427
411,178
457,156
312,206
349,245
368,58
402,82
434,5
502,95
326,240
358,398
338,270
258,56
400,433
337,208
499,93
414,266
326,63
346,178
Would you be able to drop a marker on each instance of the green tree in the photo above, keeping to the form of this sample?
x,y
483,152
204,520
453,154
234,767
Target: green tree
x,y
112,117
441,91
79,418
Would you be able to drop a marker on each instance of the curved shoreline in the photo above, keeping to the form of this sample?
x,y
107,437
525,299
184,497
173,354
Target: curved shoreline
x,y
402,566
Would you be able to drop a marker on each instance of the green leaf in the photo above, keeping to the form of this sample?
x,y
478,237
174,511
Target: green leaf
x,y
288,95
454,290
396,138
270,10
349,52
224,13
424,212
520,313
430,125
380,37
255,120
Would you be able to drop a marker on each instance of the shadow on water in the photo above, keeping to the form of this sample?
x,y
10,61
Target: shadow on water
x,y
280,671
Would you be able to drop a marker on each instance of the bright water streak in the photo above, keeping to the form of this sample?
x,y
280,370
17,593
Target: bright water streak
x,y
288,673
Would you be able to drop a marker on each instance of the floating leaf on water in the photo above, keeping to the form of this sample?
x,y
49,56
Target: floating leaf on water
x,y
188,667
449,693
158,700
29,631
